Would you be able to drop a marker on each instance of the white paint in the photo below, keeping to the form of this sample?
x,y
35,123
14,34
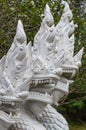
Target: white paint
x,y
32,77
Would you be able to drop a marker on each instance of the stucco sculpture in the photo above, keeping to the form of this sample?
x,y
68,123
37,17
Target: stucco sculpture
x,y
32,78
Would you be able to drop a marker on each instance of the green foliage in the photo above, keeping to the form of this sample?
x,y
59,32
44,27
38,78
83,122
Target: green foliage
x,y
30,14
79,126
75,104
29,11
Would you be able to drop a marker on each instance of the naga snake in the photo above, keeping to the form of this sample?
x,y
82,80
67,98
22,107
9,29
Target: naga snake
x,y
49,118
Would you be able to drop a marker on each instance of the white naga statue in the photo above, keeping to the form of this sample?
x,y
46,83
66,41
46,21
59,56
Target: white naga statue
x,y
32,78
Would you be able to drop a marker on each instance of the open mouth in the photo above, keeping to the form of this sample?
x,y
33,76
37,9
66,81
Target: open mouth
x,y
44,79
11,117
40,87
46,98
69,69
8,111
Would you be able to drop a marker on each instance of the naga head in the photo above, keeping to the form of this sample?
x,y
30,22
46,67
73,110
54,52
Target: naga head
x,y
12,67
36,75
54,63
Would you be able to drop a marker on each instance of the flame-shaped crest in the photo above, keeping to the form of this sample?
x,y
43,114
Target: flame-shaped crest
x,y
41,73
49,60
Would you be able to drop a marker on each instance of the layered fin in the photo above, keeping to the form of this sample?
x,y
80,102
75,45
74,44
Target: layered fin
x,y
2,63
77,58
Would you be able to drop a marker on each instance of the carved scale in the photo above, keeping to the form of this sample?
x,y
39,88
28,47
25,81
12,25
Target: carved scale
x,y
32,78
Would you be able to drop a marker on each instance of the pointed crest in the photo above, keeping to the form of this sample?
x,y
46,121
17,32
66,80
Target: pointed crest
x,y
20,33
78,56
48,16
67,12
47,9
49,60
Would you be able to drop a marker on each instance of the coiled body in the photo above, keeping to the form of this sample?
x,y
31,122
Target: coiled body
x,y
49,118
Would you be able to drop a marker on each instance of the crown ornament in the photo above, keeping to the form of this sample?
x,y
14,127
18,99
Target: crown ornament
x,y
32,74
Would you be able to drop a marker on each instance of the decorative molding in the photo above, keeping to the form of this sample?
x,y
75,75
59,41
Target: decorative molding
x,y
34,77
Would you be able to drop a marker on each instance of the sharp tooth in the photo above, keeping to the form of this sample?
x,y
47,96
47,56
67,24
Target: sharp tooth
x,y
36,82
13,103
10,114
73,73
46,94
